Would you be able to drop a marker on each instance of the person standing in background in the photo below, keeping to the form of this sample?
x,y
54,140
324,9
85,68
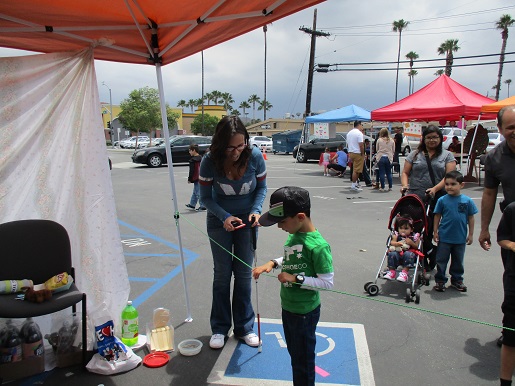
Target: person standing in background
x,y
398,137
356,149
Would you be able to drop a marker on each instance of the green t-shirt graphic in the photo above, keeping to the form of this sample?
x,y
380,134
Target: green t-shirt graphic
x,y
304,254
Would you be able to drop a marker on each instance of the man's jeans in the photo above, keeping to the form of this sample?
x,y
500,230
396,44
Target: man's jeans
x,y
238,242
299,332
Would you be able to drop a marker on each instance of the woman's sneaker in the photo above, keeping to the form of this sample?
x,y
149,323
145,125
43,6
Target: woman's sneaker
x,y
440,287
390,275
459,286
403,277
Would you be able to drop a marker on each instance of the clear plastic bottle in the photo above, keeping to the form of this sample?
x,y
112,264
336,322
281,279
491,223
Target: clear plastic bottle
x,y
130,325
32,339
10,346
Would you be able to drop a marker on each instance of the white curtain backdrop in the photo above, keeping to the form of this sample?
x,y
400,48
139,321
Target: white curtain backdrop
x,y
54,165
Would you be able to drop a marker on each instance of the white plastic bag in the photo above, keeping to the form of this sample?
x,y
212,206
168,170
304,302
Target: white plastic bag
x,y
113,356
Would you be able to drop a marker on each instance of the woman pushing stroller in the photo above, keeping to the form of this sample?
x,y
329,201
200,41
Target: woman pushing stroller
x,y
403,249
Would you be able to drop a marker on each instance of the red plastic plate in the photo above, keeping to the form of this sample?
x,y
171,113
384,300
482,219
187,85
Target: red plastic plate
x,y
156,359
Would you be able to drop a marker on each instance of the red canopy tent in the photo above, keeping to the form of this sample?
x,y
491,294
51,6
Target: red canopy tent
x,y
442,99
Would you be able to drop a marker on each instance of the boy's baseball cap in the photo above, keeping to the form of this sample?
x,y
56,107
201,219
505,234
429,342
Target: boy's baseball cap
x,y
286,202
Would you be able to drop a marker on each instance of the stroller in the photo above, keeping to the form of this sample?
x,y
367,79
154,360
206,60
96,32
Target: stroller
x,y
412,206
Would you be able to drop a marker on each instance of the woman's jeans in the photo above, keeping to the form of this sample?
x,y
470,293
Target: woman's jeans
x,y
195,196
299,332
239,242
456,252
385,167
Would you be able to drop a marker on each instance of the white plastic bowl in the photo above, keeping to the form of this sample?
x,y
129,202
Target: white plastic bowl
x,y
190,347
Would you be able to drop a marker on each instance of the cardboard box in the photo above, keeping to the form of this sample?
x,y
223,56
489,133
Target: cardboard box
x,y
25,368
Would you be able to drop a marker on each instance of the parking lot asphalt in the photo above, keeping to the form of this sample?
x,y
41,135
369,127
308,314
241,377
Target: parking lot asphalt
x,y
449,338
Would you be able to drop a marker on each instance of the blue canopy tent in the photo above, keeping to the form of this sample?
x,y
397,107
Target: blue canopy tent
x,y
344,114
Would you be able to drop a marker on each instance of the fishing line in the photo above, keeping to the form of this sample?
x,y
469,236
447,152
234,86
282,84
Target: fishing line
x,y
365,297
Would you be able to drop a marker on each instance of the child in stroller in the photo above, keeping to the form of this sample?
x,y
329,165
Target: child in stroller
x,y
408,207
403,248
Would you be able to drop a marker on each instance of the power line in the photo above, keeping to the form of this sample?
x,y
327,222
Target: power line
x,y
325,69
417,61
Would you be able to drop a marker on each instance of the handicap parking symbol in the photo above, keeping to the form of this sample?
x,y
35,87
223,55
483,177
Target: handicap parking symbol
x,y
341,349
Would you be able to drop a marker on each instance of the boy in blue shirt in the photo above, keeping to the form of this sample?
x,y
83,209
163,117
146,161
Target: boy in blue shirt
x,y
306,267
453,212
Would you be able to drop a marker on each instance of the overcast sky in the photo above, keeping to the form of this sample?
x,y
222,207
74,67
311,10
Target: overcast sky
x,y
360,31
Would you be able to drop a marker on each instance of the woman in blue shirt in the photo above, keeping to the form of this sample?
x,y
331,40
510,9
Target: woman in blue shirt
x,y
232,188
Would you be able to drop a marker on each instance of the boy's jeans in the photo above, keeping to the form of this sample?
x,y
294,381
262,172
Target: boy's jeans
x,y
195,196
456,252
238,242
299,332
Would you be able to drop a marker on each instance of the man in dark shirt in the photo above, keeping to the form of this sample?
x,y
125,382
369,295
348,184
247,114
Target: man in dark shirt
x,y
500,169
398,148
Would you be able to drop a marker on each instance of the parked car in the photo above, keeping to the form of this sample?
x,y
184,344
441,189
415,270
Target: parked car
x,y
261,141
449,132
315,146
493,140
155,156
130,143
408,144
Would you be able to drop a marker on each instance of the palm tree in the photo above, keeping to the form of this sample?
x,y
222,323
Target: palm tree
x,y
199,102
235,112
209,97
412,55
398,26
254,99
438,72
215,95
192,103
182,103
265,106
503,23
448,47
508,81
227,100
244,105
412,75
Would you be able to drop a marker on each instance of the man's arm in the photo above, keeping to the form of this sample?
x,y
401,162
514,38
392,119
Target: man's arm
x,y
487,211
361,148
470,236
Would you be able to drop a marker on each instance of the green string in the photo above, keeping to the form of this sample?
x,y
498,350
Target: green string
x,y
355,295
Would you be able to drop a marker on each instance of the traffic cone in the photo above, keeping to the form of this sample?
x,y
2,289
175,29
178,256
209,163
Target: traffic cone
x,y
263,151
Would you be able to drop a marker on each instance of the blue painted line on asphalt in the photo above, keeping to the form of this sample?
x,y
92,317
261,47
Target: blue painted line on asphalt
x,y
143,279
154,254
189,257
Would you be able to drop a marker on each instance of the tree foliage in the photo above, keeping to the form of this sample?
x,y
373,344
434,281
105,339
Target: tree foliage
x,y
210,123
140,111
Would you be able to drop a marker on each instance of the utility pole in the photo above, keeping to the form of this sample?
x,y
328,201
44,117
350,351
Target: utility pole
x,y
314,34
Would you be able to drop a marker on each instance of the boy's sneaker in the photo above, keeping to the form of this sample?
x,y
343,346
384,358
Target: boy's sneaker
x,y
440,287
190,207
201,209
355,188
403,277
459,286
390,275
217,341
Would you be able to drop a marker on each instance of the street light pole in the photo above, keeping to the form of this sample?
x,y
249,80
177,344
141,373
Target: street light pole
x,y
111,113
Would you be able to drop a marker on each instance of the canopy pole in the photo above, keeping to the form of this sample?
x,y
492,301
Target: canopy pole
x,y
164,119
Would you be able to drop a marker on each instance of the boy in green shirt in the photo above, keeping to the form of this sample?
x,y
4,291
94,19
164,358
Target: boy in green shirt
x,y
306,266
